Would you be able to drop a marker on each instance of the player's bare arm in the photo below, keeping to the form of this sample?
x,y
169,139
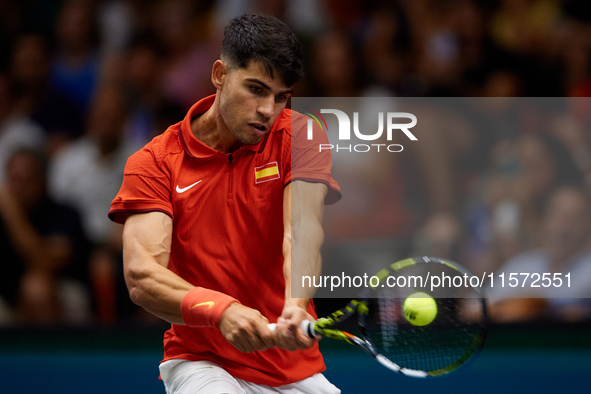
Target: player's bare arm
x,y
146,241
303,208
146,250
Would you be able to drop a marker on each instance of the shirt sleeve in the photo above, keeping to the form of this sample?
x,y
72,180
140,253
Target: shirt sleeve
x,y
145,188
308,161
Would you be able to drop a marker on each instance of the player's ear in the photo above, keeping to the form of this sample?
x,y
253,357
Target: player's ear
x,y
218,74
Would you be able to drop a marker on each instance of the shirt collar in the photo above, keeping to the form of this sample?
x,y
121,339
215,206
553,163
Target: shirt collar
x,y
195,148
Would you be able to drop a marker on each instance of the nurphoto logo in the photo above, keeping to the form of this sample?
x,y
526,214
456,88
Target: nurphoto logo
x,y
344,132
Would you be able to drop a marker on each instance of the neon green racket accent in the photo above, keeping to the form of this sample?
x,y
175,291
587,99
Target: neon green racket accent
x,y
381,276
361,307
324,322
450,265
397,266
335,334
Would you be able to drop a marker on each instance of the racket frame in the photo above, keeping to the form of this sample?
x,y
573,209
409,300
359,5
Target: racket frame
x,y
324,326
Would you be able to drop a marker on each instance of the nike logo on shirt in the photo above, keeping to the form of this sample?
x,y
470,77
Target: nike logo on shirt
x,y
184,189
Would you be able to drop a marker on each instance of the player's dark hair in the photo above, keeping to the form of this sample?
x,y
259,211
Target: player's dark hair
x,y
265,39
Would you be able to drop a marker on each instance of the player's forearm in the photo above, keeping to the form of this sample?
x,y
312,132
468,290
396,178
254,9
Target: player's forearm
x,y
146,251
303,237
304,260
302,302
155,288
168,296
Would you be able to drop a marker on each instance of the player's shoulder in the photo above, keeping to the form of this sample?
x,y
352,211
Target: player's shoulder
x,y
291,122
156,152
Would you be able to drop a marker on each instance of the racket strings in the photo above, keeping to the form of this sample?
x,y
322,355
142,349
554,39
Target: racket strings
x,y
449,340
389,328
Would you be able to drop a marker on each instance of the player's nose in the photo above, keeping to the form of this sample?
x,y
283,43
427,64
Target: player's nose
x,y
266,107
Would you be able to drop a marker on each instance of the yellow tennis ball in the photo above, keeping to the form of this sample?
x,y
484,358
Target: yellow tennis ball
x,y
420,309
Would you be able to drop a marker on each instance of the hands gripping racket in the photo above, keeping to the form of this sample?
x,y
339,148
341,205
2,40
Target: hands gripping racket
x,y
387,329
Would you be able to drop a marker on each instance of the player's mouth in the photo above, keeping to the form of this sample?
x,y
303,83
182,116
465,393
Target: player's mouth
x,y
258,128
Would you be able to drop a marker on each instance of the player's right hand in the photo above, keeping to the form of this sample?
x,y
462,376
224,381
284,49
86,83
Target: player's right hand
x,y
245,328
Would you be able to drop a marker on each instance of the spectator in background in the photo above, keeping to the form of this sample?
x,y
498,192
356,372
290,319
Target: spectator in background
x,y
571,128
183,28
143,83
438,58
525,27
564,249
116,22
375,48
75,69
34,96
544,163
531,34
526,171
501,83
335,68
436,177
385,47
16,130
575,58
43,248
87,174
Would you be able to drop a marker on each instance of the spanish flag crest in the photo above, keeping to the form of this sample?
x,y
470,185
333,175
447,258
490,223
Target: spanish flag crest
x,y
267,172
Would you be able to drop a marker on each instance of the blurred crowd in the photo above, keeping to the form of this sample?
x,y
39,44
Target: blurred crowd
x,y
85,83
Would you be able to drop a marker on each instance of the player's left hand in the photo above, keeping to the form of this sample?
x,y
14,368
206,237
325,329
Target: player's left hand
x,y
288,334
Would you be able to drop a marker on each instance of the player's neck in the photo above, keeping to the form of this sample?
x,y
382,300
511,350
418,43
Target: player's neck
x,y
210,130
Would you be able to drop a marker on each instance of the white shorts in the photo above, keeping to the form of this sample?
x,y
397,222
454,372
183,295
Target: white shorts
x,y
192,377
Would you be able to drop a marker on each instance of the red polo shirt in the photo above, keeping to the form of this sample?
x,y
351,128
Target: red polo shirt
x,y
227,212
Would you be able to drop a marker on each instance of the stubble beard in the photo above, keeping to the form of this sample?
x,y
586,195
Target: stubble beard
x,y
240,132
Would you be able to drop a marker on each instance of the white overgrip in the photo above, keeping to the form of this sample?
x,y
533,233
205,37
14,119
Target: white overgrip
x,y
305,325
307,328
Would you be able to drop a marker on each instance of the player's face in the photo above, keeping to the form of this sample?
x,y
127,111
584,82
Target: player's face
x,y
250,101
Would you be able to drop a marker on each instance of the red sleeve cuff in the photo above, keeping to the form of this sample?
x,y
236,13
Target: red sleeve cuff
x,y
203,307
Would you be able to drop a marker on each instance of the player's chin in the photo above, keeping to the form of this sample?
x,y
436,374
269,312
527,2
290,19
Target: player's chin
x,y
252,139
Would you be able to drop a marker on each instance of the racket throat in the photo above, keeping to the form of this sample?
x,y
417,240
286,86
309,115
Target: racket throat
x,y
396,368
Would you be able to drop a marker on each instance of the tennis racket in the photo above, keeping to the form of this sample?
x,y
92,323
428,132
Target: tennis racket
x,y
457,332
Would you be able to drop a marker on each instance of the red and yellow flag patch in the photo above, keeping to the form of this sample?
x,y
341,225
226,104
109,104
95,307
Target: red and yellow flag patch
x,y
265,173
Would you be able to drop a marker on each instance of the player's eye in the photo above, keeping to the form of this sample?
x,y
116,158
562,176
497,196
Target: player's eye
x,y
256,89
280,98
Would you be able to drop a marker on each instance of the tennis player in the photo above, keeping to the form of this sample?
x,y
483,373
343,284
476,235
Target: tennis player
x,y
209,217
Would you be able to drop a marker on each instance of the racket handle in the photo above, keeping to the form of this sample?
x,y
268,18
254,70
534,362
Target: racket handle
x,y
306,326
